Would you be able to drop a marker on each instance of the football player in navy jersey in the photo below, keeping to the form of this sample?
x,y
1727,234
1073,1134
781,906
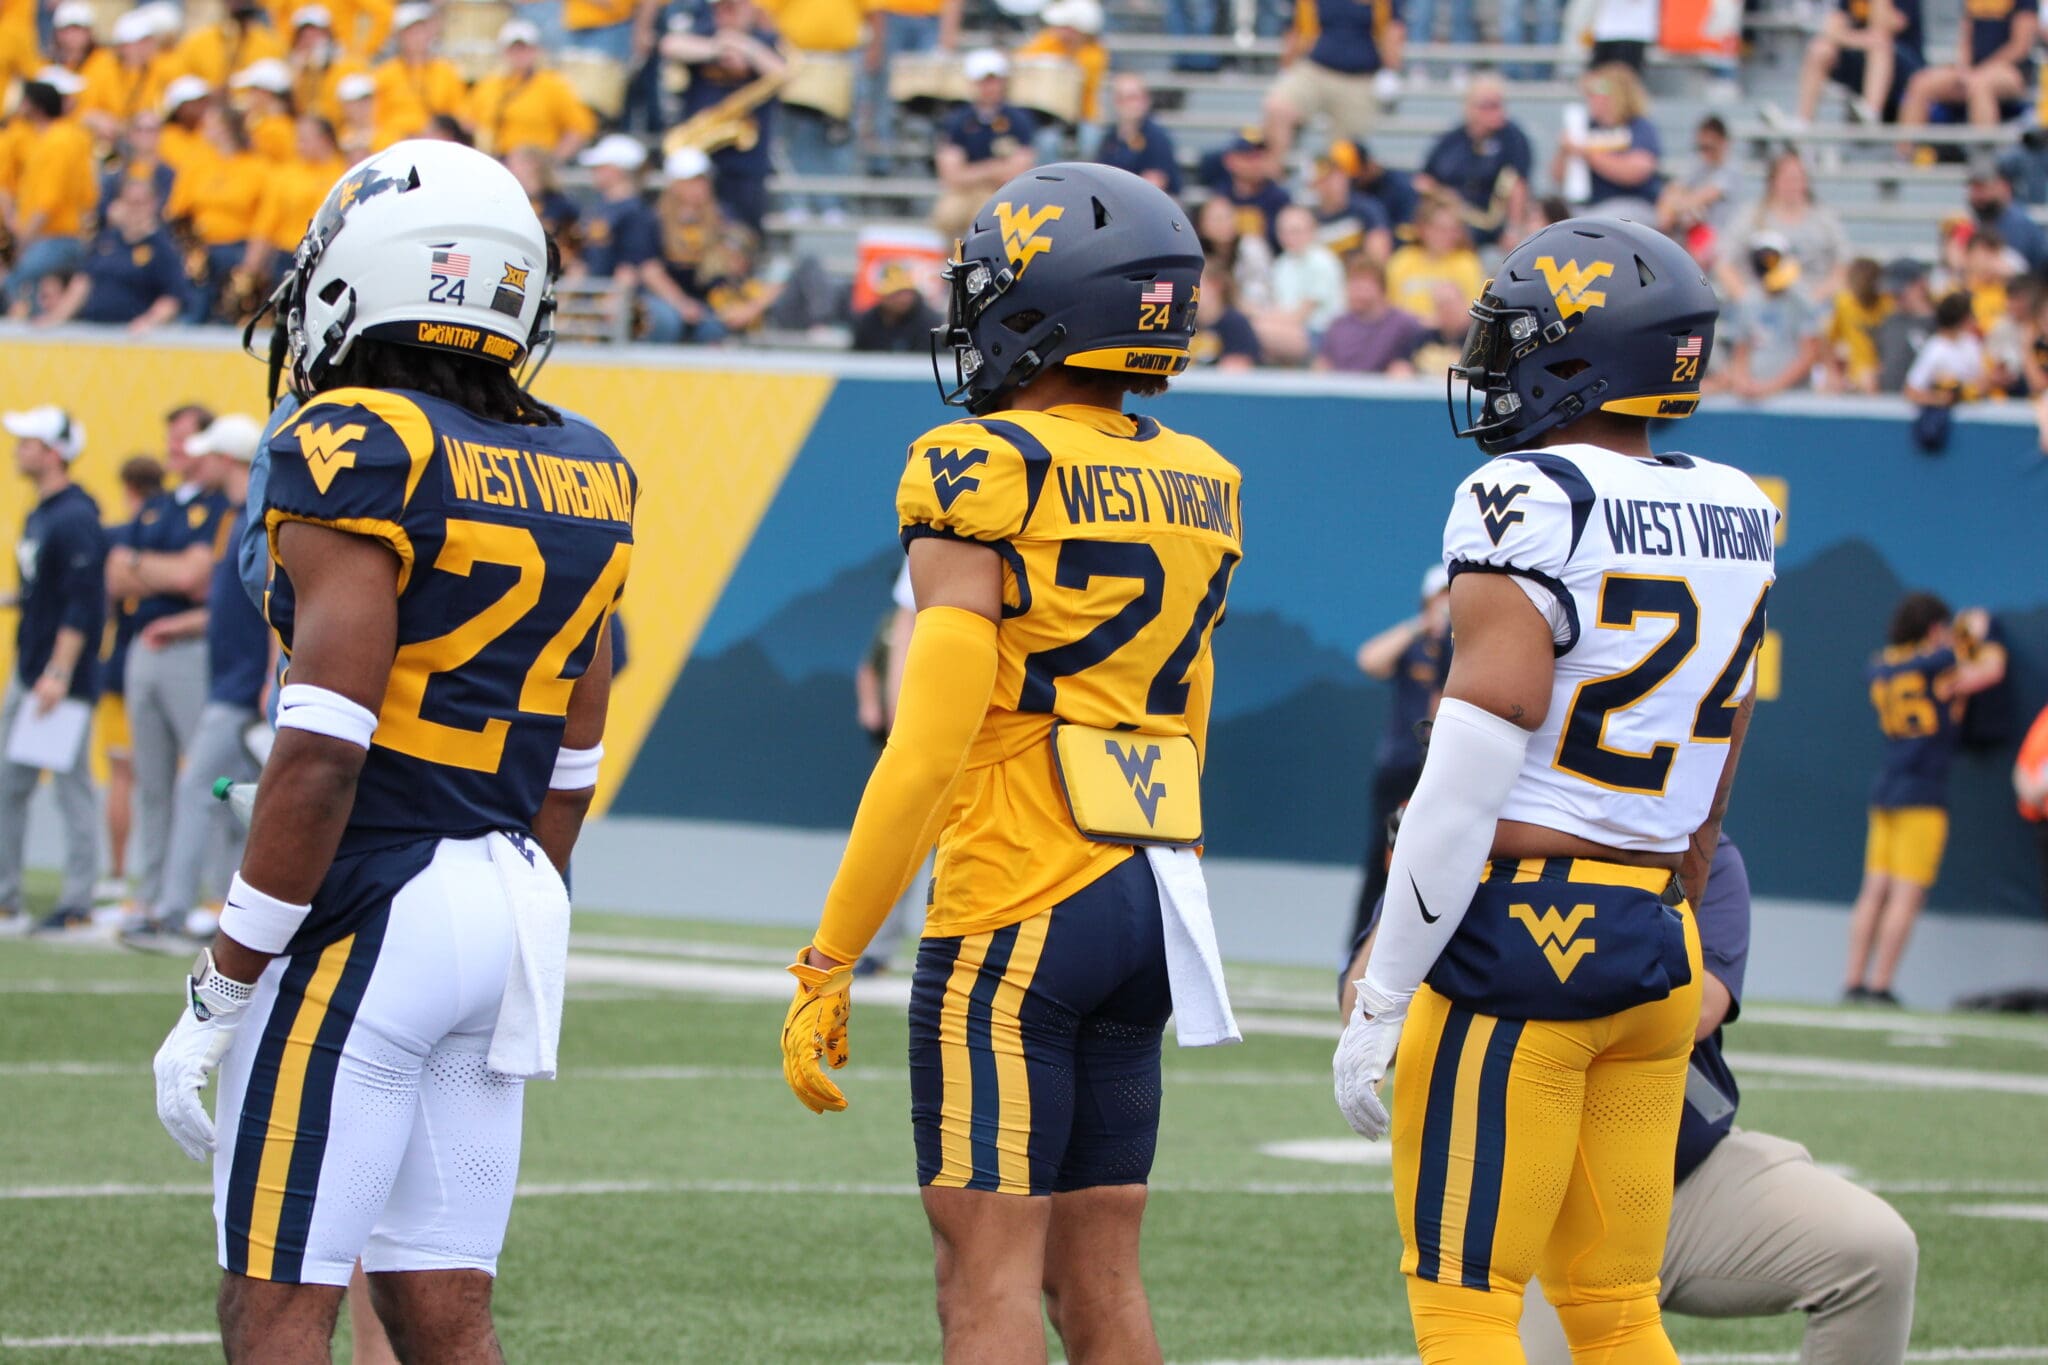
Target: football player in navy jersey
x,y
1919,685
447,553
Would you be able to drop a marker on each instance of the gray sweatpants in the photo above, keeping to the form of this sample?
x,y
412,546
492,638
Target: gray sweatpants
x,y
75,804
1758,1230
166,690
199,824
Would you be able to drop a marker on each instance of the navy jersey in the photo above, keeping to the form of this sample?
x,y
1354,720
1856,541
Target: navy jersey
x,y
128,277
1418,677
119,631
1347,33
1710,1090
712,83
1991,25
237,640
171,523
1921,720
62,557
1478,171
513,544
1149,149
984,136
1911,35
619,232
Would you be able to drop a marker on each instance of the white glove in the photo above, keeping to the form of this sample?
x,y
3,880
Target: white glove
x,y
1386,85
1363,1055
213,1010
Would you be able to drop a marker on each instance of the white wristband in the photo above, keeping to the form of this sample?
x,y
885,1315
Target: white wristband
x,y
302,706
256,919
576,769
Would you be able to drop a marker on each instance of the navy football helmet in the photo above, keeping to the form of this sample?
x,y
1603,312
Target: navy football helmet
x,y
1069,264
1591,314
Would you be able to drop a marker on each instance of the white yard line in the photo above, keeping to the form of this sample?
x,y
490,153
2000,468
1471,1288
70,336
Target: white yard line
x,y
2019,1213
2007,1030
130,1341
1882,1076
588,1188
46,986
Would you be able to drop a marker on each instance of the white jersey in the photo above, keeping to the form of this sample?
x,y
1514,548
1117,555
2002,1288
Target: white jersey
x,y
1653,574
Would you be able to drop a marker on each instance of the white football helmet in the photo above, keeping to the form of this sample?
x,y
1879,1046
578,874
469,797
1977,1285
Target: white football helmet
x,y
427,244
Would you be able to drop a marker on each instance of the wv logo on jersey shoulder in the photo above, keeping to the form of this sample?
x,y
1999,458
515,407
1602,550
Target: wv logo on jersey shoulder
x,y
1137,770
1023,235
1497,507
951,474
1571,284
1557,935
328,450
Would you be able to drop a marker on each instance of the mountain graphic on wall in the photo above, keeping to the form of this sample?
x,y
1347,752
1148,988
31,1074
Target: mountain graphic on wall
x,y
764,731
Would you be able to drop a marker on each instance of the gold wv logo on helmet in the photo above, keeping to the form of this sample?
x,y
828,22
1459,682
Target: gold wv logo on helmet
x,y
1023,237
1569,284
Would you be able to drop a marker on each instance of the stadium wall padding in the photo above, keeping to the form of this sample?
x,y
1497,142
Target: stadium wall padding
x,y
766,546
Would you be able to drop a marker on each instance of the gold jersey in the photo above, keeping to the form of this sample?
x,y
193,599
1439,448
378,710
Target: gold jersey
x,y
1118,538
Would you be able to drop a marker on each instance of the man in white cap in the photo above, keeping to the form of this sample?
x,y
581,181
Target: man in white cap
x,y
71,34
678,278
238,670
62,605
1414,655
621,232
55,191
181,144
414,85
132,83
983,146
525,104
319,67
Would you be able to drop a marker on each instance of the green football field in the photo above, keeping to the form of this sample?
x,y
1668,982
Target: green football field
x,y
679,1205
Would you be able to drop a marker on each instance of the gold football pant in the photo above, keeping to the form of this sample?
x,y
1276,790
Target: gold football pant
x,y
1529,1148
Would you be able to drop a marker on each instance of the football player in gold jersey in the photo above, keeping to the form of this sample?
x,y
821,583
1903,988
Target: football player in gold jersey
x,y
1069,562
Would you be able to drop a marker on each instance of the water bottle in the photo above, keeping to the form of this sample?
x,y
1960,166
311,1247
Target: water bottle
x,y
240,796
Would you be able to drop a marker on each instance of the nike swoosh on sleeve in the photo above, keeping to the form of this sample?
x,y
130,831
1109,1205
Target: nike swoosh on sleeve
x,y
1427,918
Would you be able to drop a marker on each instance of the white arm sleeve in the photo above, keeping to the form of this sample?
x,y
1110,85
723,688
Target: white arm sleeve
x,y
1440,854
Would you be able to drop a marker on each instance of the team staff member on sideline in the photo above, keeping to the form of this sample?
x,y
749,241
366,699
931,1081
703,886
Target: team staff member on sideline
x,y
1919,684
62,604
379,1042
166,563
1757,1228
142,478
238,671
1414,654
1068,914
1582,755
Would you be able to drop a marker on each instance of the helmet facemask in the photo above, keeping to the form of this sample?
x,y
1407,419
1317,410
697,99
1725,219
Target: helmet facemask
x,y
1499,336
973,288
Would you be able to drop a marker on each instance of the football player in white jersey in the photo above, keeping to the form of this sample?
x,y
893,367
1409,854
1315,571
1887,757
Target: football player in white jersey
x,y
1536,959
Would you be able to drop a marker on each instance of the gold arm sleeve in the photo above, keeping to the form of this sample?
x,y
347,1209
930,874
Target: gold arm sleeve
x,y
948,677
